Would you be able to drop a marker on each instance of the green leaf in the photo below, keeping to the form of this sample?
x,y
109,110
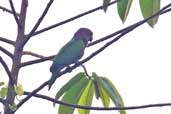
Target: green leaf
x,y
69,84
104,97
72,96
3,92
97,92
13,107
105,2
100,91
148,8
86,97
113,93
110,90
123,7
19,89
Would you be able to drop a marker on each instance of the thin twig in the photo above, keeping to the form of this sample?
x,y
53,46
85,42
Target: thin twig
x,y
85,70
36,25
14,13
7,10
85,60
37,61
98,108
162,11
33,54
6,52
7,41
11,80
73,18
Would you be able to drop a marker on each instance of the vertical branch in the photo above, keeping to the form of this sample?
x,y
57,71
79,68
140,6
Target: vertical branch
x,y
16,58
37,25
14,13
11,80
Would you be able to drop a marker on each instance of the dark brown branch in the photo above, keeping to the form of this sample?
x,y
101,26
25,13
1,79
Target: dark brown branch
x,y
6,52
7,41
98,108
73,18
89,57
7,10
162,11
36,61
11,80
14,13
33,54
70,69
36,25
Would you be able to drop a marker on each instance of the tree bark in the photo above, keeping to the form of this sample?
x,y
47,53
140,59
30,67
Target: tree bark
x,y
17,58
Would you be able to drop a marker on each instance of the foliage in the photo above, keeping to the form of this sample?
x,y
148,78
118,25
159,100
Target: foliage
x,y
82,91
148,8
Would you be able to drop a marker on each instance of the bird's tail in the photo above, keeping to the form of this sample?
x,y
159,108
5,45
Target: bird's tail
x,y
52,79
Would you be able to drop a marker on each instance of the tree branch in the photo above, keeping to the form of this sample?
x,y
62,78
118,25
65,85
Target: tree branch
x,y
7,41
14,13
30,95
36,25
6,52
37,61
97,108
33,54
11,80
73,18
88,58
7,10
129,28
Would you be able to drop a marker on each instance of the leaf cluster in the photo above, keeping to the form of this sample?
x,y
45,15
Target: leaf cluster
x,y
148,8
81,90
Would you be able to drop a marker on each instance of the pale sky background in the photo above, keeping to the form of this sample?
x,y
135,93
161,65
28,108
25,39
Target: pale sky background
x,y
138,64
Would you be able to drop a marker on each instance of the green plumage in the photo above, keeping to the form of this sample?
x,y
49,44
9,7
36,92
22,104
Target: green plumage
x,y
70,53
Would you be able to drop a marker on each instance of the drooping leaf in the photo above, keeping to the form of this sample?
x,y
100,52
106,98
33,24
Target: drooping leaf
x,y
105,2
86,97
97,91
100,91
113,93
3,92
69,84
19,89
104,97
123,7
72,96
110,90
148,8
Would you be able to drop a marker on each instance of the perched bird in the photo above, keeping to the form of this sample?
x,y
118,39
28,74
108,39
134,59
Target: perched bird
x,y
70,53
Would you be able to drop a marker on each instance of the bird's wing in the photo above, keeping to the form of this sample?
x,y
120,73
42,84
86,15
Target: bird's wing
x,y
69,54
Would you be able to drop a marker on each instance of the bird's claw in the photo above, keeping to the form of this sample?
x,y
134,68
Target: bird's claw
x,y
69,69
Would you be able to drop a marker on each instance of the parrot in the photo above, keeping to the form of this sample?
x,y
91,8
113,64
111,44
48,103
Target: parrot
x,y
70,53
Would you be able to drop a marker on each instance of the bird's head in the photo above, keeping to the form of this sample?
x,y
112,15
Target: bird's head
x,y
84,34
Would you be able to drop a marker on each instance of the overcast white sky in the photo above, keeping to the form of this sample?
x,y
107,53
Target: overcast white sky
x,y
138,64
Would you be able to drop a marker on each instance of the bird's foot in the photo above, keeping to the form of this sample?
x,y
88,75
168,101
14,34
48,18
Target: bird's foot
x,y
69,69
